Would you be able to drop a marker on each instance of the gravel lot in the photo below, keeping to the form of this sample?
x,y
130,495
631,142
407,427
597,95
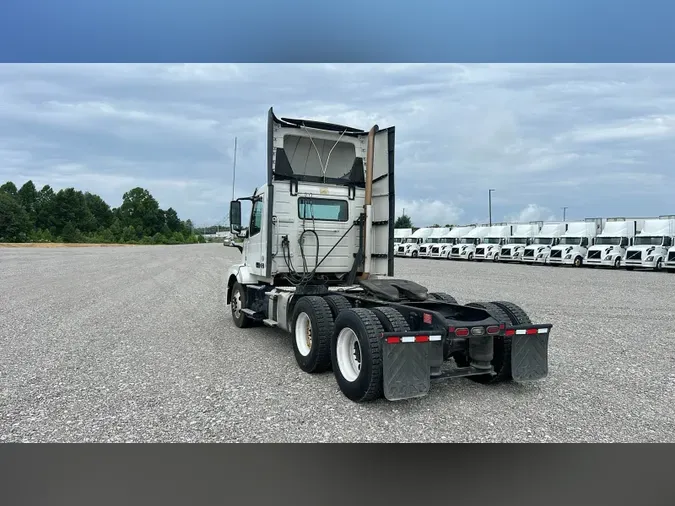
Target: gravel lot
x,y
137,344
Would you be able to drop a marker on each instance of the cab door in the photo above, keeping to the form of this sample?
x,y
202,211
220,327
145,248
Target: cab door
x,y
255,249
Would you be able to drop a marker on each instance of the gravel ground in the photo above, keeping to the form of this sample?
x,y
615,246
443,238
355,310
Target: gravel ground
x,y
137,344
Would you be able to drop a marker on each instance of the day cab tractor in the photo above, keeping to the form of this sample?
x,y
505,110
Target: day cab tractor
x,y
318,263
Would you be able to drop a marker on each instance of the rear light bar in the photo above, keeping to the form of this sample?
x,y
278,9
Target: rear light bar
x,y
476,331
512,332
412,339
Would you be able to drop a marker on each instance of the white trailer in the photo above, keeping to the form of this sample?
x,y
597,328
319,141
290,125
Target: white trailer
x,y
540,247
442,250
435,238
465,248
610,245
400,234
651,245
497,236
410,247
521,237
574,244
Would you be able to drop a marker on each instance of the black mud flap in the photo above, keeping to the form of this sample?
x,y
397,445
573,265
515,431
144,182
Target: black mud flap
x,y
529,352
406,364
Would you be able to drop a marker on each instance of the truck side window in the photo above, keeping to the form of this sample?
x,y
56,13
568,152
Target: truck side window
x,y
668,242
256,218
584,242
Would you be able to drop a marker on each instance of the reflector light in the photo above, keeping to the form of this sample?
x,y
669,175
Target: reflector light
x,y
531,331
461,332
509,332
477,331
520,332
451,329
421,339
434,338
493,329
408,339
393,340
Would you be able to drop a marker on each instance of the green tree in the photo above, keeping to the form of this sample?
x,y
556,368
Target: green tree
x,y
172,221
15,224
139,208
99,210
28,196
44,204
403,221
9,188
70,233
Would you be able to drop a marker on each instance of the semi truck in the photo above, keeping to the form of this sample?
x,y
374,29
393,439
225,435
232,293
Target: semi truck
x,y
522,236
610,245
465,247
540,248
400,234
574,243
650,246
434,238
442,250
497,236
410,247
317,261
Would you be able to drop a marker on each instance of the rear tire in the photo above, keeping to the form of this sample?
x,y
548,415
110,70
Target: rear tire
x,y
391,319
312,326
444,297
237,303
356,353
337,304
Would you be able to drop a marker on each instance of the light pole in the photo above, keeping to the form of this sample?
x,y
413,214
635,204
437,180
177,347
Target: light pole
x,y
564,212
490,204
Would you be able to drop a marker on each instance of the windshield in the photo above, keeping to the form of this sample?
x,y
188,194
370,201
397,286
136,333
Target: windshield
x,y
409,240
434,240
466,241
542,240
570,240
518,240
648,241
614,241
446,240
493,240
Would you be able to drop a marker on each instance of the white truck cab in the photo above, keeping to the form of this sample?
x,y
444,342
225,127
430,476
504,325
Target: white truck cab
x,y
521,237
651,245
497,236
574,243
610,245
434,238
400,234
410,247
540,247
442,249
465,248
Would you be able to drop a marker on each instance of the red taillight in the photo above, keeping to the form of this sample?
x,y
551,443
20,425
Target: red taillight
x,y
493,329
393,340
531,331
421,339
461,332
451,330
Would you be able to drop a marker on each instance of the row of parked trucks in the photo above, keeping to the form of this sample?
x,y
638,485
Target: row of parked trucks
x,y
629,243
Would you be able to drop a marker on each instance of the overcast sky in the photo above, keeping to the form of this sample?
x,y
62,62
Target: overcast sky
x,y
596,138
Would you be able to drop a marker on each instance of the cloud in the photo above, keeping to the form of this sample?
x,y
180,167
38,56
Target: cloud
x,y
427,212
532,212
596,138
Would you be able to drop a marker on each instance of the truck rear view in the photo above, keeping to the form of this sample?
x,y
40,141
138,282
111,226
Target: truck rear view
x,y
318,263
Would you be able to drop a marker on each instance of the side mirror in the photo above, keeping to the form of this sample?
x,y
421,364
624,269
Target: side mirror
x,y
235,216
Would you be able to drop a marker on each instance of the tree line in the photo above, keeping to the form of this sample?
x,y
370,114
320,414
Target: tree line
x,y
404,221
73,216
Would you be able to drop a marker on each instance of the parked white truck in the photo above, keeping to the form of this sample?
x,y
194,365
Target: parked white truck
x,y
574,243
400,234
497,236
650,246
540,247
442,249
410,247
434,238
610,245
521,237
465,248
